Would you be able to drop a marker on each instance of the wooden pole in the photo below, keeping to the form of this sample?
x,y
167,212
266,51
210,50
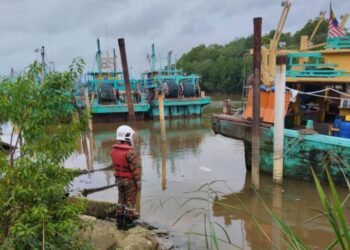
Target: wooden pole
x,y
90,150
278,135
161,116
256,103
121,44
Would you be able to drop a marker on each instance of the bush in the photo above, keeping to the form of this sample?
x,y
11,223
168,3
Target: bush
x,y
33,183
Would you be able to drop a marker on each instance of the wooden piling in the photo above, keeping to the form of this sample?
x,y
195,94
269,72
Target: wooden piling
x,y
90,159
121,44
256,103
227,107
278,137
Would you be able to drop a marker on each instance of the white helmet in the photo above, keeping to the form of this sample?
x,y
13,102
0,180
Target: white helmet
x,y
125,133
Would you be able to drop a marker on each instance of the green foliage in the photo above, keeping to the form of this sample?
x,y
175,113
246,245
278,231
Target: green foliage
x,y
224,68
334,212
33,183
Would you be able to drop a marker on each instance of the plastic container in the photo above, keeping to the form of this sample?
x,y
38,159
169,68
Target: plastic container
x,y
337,122
344,130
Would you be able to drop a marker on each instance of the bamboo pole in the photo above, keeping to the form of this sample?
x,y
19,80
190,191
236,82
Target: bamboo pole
x,y
256,103
121,44
278,136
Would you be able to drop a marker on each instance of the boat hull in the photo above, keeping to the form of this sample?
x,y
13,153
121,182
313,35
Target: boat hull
x,y
301,151
117,112
179,107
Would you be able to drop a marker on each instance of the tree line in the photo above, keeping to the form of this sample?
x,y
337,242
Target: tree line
x,y
224,68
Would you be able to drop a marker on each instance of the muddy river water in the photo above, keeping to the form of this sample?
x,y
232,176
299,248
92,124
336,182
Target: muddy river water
x,y
174,194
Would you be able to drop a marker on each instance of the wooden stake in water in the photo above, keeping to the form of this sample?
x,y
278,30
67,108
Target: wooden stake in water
x,y
256,103
161,116
121,44
280,89
91,148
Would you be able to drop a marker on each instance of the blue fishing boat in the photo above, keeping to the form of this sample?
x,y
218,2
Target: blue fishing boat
x,y
106,91
183,95
107,97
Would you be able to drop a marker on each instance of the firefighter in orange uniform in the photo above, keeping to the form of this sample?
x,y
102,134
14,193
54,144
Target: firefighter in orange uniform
x,y
128,177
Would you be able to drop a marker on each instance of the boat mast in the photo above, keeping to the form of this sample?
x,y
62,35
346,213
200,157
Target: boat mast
x,y
115,63
98,56
169,61
153,58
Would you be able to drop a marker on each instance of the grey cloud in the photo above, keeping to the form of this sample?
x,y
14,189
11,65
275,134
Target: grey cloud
x,y
70,28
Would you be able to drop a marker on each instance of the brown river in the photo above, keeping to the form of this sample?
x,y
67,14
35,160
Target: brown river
x,y
198,178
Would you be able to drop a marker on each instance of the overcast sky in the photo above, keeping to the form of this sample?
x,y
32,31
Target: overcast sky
x,y
69,28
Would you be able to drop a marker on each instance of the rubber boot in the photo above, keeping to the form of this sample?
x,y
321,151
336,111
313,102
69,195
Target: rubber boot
x,y
129,223
120,222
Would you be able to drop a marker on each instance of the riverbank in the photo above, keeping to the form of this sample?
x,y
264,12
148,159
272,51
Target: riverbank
x,y
104,235
102,232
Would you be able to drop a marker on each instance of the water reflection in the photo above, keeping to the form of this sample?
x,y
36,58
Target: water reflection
x,y
295,202
164,159
194,155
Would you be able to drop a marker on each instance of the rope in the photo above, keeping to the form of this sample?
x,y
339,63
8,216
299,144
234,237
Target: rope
x,y
298,140
314,93
302,133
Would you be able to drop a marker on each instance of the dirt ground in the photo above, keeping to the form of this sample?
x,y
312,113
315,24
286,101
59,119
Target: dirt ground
x,y
105,236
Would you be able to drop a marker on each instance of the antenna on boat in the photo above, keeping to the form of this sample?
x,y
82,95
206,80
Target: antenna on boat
x,y
98,56
153,58
115,63
169,61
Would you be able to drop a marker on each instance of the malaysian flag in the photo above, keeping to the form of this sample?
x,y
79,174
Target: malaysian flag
x,y
334,29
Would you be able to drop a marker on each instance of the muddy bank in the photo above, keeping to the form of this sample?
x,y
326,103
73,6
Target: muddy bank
x,y
104,236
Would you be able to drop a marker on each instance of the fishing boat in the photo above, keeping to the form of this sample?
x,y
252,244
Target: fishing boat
x,y
106,91
183,95
107,97
317,101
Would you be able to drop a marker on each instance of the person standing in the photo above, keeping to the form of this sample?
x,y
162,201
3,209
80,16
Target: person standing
x,y
128,177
